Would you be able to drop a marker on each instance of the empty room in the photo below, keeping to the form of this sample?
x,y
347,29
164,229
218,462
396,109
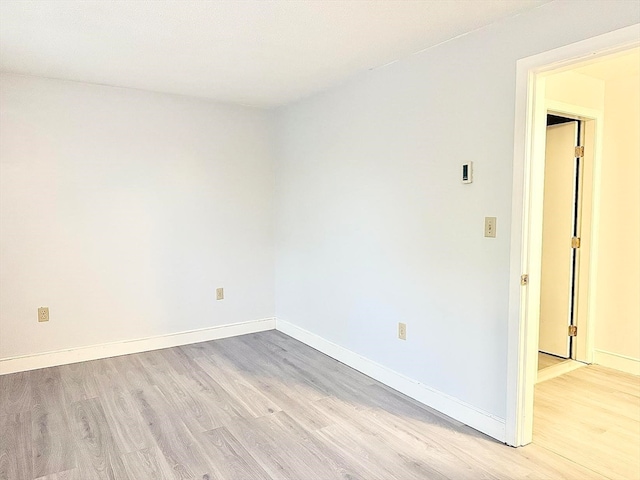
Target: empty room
x,y
319,239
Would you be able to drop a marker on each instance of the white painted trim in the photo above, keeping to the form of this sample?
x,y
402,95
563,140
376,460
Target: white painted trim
x,y
558,369
451,406
522,336
618,362
571,109
105,350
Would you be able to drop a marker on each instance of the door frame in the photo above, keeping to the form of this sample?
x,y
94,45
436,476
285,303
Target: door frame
x,y
526,215
588,327
560,241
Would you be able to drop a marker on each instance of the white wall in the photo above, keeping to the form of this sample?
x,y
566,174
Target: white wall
x,y
576,89
123,210
373,224
618,281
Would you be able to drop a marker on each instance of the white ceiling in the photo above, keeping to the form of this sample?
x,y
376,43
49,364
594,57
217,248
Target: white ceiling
x,y
256,52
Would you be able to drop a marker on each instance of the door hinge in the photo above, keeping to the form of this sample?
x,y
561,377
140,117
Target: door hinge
x,y
573,330
579,152
575,242
524,279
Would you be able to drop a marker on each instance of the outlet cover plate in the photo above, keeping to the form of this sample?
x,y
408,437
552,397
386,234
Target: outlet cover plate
x,y
43,314
490,227
402,331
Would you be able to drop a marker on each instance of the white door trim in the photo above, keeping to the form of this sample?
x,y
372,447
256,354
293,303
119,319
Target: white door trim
x,y
528,178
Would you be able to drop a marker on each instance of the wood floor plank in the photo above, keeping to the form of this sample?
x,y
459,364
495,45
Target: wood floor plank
x,y
195,350
351,463
233,382
282,449
546,465
596,423
266,355
127,426
229,460
132,373
219,403
297,406
470,454
199,414
350,421
78,381
52,444
326,374
66,475
97,452
179,448
262,366
444,453
15,393
370,455
15,446
545,360
148,464
609,380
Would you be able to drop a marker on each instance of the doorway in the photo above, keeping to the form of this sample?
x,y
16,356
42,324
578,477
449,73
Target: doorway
x,y
566,241
529,176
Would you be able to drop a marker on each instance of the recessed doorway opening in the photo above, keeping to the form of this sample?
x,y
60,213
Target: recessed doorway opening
x,y
538,95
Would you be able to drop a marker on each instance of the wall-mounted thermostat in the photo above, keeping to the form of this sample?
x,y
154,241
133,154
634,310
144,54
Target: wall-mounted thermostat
x,y
467,172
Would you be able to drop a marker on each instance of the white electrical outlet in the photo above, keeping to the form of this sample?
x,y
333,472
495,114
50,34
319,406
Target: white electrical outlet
x,y
43,314
402,331
219,293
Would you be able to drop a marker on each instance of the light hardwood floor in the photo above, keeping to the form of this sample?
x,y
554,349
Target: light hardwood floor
x,y
592,416
545,360
260,406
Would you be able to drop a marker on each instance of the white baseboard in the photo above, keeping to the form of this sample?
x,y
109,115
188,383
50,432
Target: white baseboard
x,y
616,361
457,409
94,352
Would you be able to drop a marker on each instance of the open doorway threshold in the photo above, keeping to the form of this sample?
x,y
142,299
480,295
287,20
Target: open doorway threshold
x,y
550,366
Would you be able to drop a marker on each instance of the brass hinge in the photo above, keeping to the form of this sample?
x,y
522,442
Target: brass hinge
x,y
575,242
579,152
524,279
573,330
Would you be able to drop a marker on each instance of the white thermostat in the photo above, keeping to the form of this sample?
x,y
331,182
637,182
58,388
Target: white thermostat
x,y
467,172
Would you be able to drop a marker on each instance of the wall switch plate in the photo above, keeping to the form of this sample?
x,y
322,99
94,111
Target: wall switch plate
x,y
43,314
490,227
402,331
467,172
219,293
